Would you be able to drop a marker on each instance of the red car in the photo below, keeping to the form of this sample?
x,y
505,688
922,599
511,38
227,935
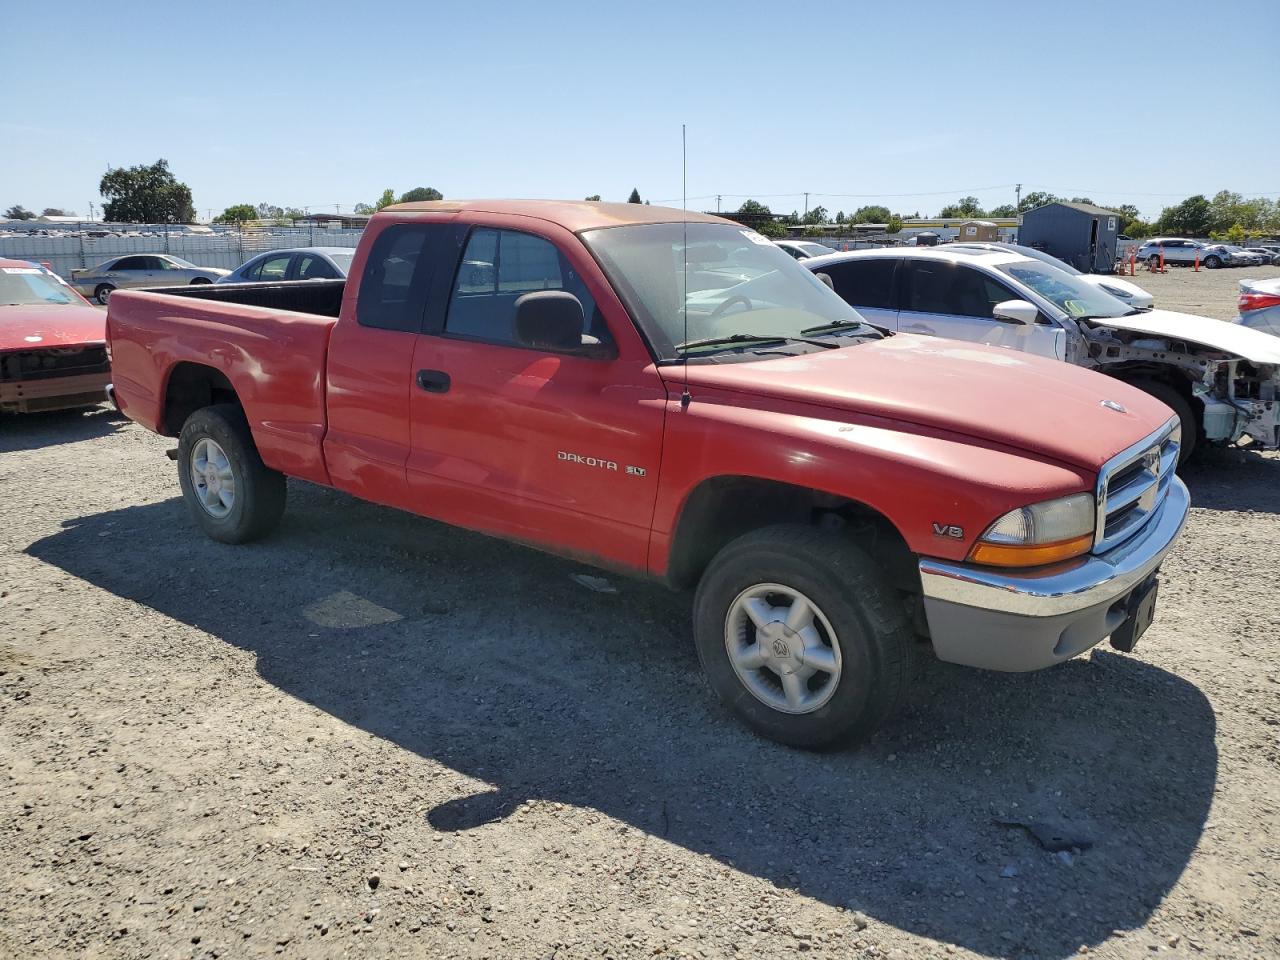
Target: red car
x,y
671,395
53,351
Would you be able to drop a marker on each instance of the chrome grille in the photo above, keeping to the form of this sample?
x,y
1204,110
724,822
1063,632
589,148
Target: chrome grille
x,y
1133,484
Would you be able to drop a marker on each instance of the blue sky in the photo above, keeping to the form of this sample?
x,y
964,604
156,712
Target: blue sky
x,y
910,104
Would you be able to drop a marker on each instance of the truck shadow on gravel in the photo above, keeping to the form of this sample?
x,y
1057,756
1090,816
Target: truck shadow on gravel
x,y
32,431
490,659
1234,480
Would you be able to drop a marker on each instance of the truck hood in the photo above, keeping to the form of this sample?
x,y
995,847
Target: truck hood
x,y
999,395
1251,345
30,327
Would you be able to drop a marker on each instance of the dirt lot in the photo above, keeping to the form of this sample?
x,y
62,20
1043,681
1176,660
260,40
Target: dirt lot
x,y
375,736
1210,293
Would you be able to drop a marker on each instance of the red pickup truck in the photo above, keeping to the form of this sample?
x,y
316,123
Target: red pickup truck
x,y
671,395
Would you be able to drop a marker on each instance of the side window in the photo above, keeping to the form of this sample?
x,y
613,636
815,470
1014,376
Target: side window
x,y
274,269
928,285
865,283
393,290
497,268
129,263
253,272
160,263
974,294
313,267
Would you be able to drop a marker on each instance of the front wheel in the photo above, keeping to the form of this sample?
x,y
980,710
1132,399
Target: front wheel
x,y
103,293
801,637
231,493
1212,263
1180,405
198,280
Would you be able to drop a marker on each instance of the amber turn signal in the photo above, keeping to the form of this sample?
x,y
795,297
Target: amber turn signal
x,y
1030,555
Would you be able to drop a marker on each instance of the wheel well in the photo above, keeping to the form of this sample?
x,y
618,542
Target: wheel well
x,y
720,509
191,387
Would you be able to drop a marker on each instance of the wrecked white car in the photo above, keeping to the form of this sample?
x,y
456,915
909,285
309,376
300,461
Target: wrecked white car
x,y
1220,378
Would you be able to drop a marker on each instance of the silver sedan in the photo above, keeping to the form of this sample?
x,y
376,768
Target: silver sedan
x,y
140,270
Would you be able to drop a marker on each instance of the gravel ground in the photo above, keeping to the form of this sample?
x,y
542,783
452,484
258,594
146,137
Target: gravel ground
x,y
1210,293
372,735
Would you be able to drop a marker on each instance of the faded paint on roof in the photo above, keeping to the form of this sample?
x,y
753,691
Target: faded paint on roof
x,y
574,215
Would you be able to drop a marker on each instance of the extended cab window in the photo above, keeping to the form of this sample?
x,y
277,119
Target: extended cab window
x,y
497,268
865,283
393,290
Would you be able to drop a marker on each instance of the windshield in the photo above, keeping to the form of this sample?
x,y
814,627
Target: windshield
x,y
812,249
24,286
738,283
1073,297
342,261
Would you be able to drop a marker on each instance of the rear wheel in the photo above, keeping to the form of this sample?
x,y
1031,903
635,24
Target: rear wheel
x,y
1182,407
198,280
231,493
801,636
102,293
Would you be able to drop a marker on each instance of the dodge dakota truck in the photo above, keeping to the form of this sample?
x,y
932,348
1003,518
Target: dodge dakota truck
x,y
670,395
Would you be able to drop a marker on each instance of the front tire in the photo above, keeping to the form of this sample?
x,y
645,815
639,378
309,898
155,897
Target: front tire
x,y
801,637
1182,407
1212,263
231,493
198,280
102,293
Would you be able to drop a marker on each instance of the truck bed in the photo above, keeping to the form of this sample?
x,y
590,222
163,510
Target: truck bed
x,y
174,350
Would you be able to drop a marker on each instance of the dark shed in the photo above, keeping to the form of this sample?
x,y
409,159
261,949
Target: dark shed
x,y
1079,233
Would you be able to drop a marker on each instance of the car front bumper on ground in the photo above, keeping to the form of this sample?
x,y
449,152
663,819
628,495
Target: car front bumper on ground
x,y
56,393
1000,620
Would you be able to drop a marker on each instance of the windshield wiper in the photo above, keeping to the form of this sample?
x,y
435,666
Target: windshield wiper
x,y
842,324
749,338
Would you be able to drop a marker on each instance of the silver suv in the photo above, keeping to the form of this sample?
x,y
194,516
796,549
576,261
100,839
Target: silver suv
x,y
1182,252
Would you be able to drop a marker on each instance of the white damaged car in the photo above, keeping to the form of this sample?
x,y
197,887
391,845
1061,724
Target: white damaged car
x,y
1220,378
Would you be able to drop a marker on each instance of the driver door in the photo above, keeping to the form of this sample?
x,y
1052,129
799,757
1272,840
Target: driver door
x,y
957,301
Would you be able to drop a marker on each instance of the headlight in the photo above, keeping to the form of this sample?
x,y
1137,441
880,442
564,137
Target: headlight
x,y
1039,534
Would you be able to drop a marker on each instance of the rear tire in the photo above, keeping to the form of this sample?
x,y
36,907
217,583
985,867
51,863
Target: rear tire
x,y
849,662
102,293
1182,407
231,493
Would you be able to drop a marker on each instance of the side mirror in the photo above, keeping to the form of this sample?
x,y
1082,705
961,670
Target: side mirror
x,y
552,320
1016,311
825,278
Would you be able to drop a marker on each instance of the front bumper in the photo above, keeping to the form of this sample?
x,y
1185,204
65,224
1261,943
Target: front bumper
x,y
1018,621
55,393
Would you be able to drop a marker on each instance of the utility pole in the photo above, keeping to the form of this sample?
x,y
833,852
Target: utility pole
x,y
90,209
1017,207
806,206
717,203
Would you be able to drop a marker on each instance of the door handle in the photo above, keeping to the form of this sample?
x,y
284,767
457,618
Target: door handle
x,y
433,381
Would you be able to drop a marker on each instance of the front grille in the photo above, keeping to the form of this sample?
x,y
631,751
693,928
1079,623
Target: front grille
x,y
1133,484
52,362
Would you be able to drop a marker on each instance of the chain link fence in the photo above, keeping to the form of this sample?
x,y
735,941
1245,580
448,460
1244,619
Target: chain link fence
x,y
74,246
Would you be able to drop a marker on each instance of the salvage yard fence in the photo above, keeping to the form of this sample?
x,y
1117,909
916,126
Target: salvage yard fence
x,y
226,246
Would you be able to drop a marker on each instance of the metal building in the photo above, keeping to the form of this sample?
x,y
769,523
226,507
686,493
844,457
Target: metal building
x,y
1081,234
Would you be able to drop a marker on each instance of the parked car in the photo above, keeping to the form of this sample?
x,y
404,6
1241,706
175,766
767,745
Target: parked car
x,y
1124,291
1269,255
53,353
1240,257
1219,378
803,249
1259,305
301,263
825,485
140,270
1180,252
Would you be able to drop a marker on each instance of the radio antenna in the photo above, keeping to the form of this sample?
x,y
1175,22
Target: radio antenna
x,y
684,255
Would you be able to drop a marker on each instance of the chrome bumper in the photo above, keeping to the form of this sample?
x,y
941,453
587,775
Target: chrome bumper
x,y
1025,621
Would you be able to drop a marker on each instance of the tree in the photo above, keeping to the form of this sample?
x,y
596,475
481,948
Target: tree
x,y
387,199
1004,210
1138,229
594,198
871,214
816,215
894,224
770,228
363,209
635,196
237,213
420,193
813,230
1083,200
964,207
753,208
145,194
1128,212
19,212
1036,198
56,212
1193,217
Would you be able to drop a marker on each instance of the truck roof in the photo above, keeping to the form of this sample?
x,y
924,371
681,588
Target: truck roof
x,y
573,215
